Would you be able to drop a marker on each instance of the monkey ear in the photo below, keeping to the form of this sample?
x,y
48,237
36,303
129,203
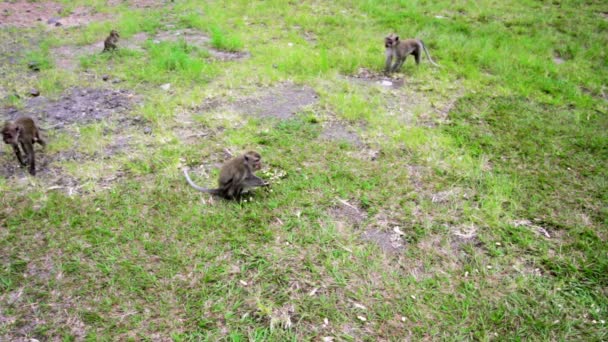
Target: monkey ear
x,y
396,38
17,129
246,158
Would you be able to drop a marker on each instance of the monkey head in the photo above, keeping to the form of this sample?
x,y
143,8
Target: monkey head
x,y
114,33
391,40
10,133
254,160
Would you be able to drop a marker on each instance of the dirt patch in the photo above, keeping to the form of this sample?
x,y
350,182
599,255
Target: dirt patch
x,y
369,77
78,105
390,242
281,102
337,131
190,131
141,3
558,60
416,104
200,40
22,13
68,56
348,212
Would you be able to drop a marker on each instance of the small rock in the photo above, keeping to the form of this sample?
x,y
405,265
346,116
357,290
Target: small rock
x,y
147,130
33,66
52,21
386,83
166,86
39,19
57,24
34,92
105,77
116,80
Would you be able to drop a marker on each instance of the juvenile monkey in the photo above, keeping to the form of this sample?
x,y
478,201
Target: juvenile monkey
x,y
111,42
400,49
23,131
236,176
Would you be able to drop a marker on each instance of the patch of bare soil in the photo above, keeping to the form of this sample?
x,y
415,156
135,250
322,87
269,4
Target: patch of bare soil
x,y
78,105
67,56
347,212
390,242
337,131
22,13
281,102
200,40
413,104
190,131
367,76
141,3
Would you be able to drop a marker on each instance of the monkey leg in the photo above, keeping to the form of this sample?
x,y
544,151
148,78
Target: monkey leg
x,y
18,154
39,140
417,54
29,149
399,63
387,65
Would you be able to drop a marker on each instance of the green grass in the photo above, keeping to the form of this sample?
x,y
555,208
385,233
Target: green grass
x,y
493,167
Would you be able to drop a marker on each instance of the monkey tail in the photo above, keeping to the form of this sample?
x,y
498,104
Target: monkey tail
x,y
199,188
427,54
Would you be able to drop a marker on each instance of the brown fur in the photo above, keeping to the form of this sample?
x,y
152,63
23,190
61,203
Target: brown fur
x,y
236,176
111,43
24,132
400,49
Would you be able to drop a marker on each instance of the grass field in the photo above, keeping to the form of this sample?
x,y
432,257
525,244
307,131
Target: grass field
x,y
467,202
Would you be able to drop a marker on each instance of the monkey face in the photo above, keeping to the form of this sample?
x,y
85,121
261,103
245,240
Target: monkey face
x,y
391,40
114,33
10,134
254,159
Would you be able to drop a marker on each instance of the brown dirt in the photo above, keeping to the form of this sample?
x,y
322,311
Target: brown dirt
x,y
22,13
78,105
337,131
367,76
390,242
68,56
200,40
348,212
410,105
282,102
141,3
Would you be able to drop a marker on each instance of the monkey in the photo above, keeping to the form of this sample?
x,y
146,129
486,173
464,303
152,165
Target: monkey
x,y
400,49
111,41
25,132
236,176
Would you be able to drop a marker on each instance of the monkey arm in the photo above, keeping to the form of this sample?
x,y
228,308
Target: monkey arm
x,y
253,181
389,59
18,154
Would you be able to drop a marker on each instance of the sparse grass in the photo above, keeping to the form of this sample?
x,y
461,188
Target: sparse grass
x,y
221,40
493,167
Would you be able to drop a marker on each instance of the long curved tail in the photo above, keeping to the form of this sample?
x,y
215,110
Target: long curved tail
x,y
427,54
199,188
